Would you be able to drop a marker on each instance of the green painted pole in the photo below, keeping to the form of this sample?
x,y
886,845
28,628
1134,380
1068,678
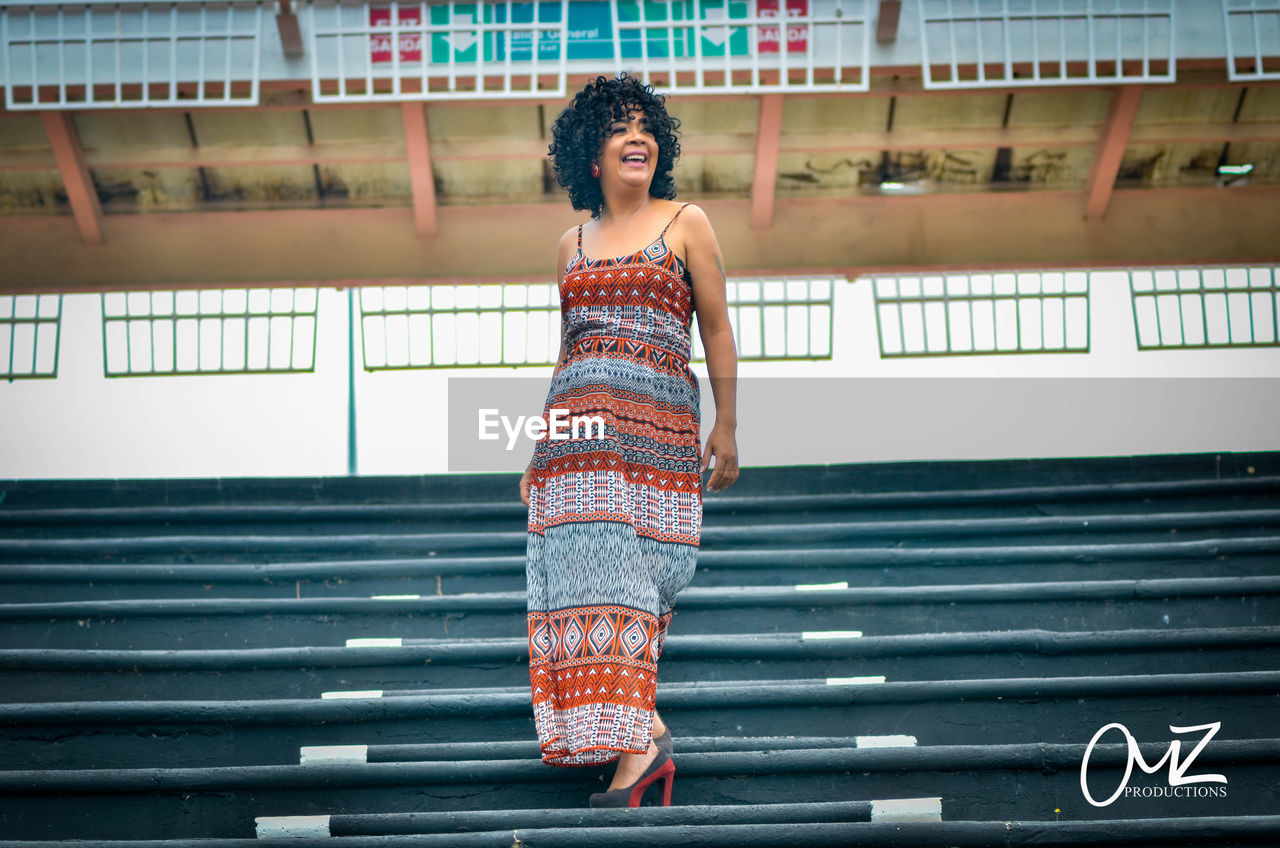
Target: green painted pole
x,y
351,380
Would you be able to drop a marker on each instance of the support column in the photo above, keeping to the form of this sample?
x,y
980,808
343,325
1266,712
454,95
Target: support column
x,y
421,178
60,128
1110,150
766,175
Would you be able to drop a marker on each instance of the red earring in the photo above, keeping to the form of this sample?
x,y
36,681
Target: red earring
x,y
595,170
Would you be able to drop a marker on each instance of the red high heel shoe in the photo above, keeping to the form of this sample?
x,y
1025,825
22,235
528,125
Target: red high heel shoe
x,y
662,767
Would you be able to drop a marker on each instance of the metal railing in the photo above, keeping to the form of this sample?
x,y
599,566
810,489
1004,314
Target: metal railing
x,y
217,331
504,325
1253,39
967,314
109,54
1205,307
182,53
453,50
1004,43
730,45
779,319
30,334
463,326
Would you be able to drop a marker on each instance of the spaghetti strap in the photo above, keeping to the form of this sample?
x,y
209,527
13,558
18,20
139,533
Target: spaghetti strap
x,y
664,229
579,237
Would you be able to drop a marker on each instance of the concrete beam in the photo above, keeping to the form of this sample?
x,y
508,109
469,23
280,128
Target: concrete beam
x,y
953,231
290,35
421,176
60,128
1110,150
705,144
768,132
887,21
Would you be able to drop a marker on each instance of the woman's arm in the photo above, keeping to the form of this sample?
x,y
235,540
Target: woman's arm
x,y
706,266
563,251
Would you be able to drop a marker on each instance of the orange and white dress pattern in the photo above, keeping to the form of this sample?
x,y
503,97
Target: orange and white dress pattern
x,y
614,521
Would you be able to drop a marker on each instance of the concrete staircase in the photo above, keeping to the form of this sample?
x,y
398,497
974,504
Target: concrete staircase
x,y
887,654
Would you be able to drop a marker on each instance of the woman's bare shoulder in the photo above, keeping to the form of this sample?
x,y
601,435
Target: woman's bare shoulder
x,y
565,247
693,226
693,210
568,241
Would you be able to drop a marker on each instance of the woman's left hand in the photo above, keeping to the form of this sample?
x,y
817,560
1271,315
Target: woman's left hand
x,y
724,447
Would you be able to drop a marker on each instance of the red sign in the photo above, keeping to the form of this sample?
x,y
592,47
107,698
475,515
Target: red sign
x,y
797,34
410,42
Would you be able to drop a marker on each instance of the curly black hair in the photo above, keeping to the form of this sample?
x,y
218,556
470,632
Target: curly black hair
x,y
580,129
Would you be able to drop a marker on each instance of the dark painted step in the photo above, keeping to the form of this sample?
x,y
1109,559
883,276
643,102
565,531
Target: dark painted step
x,y
898,810
210,623
1215,469
971,781
46,541
135,733
884,566
814,489
34,675
1070,534
1171,832
853,538
729,520
887,830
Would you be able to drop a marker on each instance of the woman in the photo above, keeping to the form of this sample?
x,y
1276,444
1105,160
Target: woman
x,y
614,522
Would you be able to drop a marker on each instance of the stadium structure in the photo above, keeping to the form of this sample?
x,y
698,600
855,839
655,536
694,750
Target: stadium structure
x,y
1003,565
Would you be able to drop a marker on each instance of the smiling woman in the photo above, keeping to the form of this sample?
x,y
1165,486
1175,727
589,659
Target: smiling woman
x,y
592,119
615,521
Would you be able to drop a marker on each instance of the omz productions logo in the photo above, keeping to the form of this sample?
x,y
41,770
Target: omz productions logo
x,y
1179,780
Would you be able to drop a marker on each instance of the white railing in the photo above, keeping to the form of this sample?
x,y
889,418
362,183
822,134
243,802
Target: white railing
x,y
477,50
209,331
1206,307
1253,39
738,46
1004,43
105,55
476,325
30,330
204,53
983,313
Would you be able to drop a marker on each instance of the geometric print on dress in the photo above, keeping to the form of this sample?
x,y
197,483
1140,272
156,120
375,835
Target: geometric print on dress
x,y
614,522
655,511
592,670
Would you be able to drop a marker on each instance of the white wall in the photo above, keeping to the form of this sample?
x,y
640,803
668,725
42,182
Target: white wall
x,y
856,407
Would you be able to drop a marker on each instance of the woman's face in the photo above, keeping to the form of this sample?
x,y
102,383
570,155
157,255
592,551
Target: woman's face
x,y
629,153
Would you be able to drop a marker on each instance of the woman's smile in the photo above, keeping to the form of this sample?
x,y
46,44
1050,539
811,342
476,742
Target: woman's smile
x,y
631,140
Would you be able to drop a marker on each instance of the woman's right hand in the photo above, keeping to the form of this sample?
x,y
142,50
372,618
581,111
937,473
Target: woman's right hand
x,y
526,481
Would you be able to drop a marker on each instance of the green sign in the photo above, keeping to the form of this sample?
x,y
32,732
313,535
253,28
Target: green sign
x,y
666,41
590,29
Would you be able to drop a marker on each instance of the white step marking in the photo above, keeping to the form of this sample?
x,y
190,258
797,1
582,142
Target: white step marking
x,y
397,642
885,741
855,681
822,587
396,597
318,754
360,693
308,826
907,809
831,634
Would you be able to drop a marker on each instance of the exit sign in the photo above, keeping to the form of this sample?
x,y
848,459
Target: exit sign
x,y
768,37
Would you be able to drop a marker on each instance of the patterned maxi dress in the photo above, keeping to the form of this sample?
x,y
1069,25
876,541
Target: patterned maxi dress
x,y
614,522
